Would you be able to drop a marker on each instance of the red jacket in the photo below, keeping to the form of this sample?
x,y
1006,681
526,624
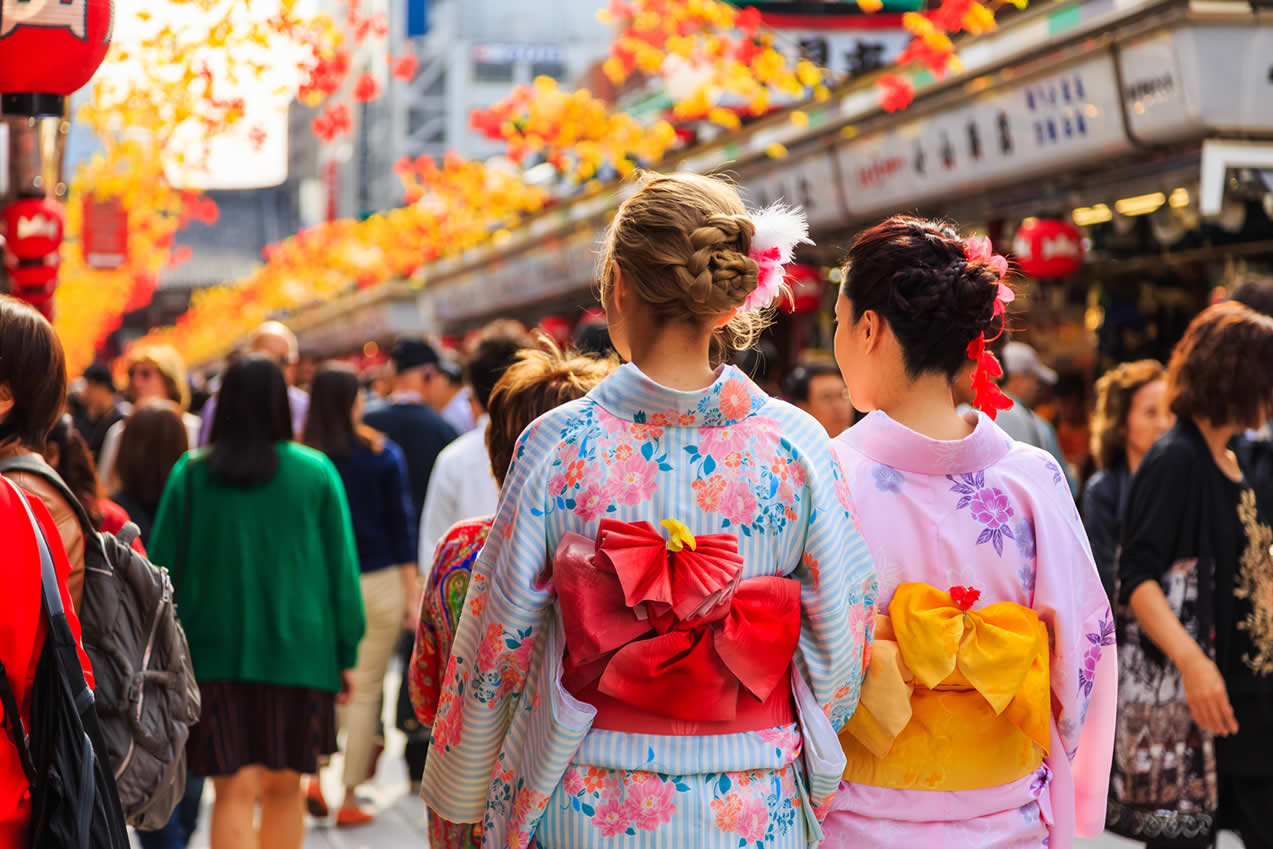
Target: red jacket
x,y
22,632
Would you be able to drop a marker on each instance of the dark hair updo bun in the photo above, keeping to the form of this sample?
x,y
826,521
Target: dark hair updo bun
x,y
915,274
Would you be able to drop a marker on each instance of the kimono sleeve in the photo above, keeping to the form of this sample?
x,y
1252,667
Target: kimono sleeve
x,y
1071,601
837,594
505,614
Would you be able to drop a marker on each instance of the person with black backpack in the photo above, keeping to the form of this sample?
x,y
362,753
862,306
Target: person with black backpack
x,y
56,790
146,696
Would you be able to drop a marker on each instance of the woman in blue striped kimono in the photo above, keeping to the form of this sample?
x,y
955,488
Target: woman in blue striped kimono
x,y
668,623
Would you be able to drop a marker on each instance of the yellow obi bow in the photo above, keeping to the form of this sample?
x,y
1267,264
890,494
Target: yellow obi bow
x,y
954,699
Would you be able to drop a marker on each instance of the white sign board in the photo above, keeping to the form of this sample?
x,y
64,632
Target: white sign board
x,y
1007,135
809,183
1197,79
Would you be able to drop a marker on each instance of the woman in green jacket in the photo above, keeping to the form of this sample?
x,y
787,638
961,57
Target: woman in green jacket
x,y
255,530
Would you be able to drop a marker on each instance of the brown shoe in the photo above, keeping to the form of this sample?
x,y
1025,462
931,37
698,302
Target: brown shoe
x,y
314,801
352,817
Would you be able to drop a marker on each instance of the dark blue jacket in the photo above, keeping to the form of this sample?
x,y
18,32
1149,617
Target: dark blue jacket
x,y
380,506
421,434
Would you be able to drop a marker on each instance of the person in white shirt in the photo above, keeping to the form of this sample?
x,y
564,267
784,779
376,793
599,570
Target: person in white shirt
x,y
462,486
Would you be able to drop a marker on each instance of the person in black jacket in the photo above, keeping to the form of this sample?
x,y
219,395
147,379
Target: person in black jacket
x,y
1194,735
1131,412
409,420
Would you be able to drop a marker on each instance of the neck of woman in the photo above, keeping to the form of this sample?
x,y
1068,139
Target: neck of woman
x,y
1217,438
927,406
1133,459
675,355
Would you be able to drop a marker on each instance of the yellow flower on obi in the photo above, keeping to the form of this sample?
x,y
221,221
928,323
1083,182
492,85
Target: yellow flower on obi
x,y
678,536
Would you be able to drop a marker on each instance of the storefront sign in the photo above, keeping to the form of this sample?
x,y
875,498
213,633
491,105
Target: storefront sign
x,y
1048,247
809,183
383,320
847,52
555,266
104,241
1006,135
1183,83
508,53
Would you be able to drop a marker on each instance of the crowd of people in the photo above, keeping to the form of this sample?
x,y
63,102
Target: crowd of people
x,y
644,589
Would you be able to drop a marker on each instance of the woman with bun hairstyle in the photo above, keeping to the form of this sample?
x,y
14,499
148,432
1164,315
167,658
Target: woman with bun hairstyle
x,y
987,716
668,620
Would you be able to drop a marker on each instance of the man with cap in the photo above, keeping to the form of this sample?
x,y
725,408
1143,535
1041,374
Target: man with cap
x,y
1024,377
409,420
408,417
99,407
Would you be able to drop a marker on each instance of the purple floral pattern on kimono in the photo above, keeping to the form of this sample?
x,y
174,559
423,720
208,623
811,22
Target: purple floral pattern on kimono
x,y
1103,636
988,505
887,479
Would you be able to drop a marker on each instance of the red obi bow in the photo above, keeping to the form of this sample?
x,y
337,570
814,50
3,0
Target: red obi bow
x,y
674,633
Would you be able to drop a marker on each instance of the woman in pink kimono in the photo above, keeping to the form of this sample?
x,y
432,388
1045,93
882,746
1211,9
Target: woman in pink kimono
x,y
986,719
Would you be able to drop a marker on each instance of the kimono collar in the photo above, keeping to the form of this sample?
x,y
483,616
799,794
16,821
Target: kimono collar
x,y
628,394
885,441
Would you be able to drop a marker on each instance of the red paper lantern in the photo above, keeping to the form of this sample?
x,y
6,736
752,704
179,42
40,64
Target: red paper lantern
x,y
557,329
32,227
50,49
34,284
32,230
1049,247
805,285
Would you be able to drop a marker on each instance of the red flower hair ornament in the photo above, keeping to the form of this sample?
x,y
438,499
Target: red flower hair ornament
x,y
987,396
964,597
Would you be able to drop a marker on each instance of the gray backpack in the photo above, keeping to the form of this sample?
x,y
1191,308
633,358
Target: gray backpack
x,y
145,690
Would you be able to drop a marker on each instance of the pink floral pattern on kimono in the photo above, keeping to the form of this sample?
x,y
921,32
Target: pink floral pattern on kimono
x,y
515,751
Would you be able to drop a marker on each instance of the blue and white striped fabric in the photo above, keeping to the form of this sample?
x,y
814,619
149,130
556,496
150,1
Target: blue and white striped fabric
x,y
513,748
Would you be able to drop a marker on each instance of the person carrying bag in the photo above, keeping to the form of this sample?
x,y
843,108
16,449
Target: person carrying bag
x,y
74,802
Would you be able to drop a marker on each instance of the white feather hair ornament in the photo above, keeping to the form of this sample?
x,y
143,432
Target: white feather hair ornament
x,y
779,230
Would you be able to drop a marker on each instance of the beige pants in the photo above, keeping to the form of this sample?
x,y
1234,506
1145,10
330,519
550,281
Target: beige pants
x,y
384,602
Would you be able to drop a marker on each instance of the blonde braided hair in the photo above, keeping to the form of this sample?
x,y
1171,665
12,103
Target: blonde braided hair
x,y
682,243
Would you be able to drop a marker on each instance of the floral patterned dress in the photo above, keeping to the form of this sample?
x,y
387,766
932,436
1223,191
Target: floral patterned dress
x,y
995,515
514,749
440,608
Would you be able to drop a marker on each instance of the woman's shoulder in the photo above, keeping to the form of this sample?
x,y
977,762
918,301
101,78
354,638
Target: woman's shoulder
x,y
1101,492
295,458
1178,451
467,532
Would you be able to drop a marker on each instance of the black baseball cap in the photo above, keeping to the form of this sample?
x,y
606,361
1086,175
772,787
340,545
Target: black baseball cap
x,y
101,375
413,353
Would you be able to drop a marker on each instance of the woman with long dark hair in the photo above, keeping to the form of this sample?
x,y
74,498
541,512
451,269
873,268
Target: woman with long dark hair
x,y
256,532
375,478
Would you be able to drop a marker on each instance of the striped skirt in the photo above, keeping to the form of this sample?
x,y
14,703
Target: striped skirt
x,y
245,723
